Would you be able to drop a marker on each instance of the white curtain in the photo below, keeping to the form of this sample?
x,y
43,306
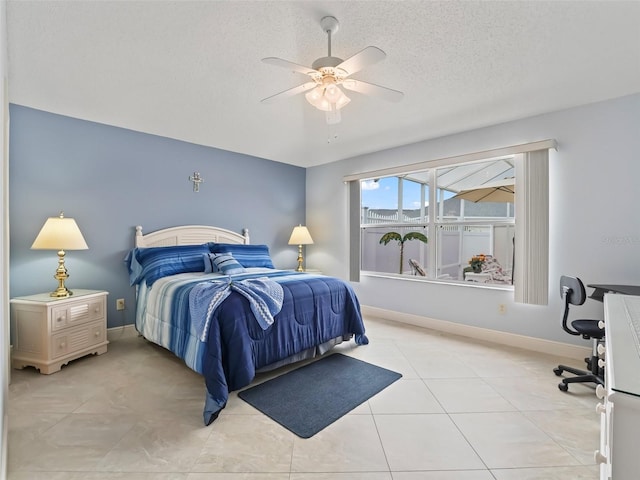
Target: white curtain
x,y
354,230
531,269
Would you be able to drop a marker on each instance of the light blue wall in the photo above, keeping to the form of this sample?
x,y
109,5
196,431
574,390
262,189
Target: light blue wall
x,y
594,216
112,179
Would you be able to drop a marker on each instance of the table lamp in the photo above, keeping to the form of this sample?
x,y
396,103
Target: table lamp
x,y
300,236
60,233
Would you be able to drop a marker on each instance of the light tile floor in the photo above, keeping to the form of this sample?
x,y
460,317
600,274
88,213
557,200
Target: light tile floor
x,y
464,410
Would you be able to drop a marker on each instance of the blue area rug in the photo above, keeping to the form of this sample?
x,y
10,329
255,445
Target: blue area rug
x,y
310,398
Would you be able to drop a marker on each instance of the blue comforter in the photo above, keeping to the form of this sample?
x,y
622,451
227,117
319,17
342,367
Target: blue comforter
x,y
315,310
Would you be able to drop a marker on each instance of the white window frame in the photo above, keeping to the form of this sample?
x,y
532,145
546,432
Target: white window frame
x,y
532,209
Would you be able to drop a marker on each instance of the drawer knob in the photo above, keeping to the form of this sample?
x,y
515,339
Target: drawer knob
x,y
599,457
62,344
59,319
601,408
600,391
97,334
601,325
601,349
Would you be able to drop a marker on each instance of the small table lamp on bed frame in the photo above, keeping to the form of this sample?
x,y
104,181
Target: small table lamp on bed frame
x,y
60,233
300,236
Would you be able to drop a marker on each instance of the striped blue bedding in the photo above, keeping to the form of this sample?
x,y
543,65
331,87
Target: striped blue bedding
x,y
315,311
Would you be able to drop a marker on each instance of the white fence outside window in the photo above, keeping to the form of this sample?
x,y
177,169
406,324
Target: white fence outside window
x,y
457,242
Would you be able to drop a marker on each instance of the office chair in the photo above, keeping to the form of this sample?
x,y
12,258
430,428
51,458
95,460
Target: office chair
x,y
573,293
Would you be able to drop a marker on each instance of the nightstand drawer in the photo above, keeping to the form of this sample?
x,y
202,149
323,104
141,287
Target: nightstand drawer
x,y
77,338
76,313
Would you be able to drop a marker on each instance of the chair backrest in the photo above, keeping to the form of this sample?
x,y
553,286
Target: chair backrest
x,y
573,292
419,269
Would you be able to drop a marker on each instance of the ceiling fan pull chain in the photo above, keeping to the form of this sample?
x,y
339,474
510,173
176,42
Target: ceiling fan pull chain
x,y
332,134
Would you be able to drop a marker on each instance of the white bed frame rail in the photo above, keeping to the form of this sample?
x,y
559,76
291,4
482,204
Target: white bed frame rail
x,y
189,235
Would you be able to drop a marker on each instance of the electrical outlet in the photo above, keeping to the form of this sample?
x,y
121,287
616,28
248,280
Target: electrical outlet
x,y
120,304
502,309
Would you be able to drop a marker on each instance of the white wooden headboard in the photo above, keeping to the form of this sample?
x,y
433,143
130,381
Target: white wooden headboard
x,y
189,235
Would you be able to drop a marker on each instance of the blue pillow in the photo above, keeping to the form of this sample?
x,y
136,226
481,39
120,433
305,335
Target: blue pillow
x,y
248,256
223,263
208,263
150,264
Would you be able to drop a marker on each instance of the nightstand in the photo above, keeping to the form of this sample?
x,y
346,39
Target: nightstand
x,y
49,332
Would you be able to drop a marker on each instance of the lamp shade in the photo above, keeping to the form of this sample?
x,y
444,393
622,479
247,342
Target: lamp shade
x,y
300,236
59,233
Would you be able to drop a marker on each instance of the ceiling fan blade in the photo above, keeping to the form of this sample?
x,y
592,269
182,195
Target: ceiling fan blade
x,y
290,92
364,58
279,62
373,90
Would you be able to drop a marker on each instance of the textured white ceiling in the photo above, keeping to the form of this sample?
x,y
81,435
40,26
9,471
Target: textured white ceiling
x,y
191,70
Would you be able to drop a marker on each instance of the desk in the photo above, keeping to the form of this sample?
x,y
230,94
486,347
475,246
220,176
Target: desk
x,y
600,290
620,396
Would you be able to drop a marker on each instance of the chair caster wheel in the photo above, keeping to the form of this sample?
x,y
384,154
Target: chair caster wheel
x,y
563,386
558,371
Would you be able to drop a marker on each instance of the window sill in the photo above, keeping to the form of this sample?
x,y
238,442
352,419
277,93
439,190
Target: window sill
x,y
456,283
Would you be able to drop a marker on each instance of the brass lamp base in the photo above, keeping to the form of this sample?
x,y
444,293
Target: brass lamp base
x,y
63,292
300,260
61,275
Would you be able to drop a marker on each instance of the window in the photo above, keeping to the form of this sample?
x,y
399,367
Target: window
x,y
393,205
395,222
394,210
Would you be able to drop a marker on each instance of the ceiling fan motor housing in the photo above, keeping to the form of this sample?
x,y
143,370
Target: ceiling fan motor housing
x,y
324,62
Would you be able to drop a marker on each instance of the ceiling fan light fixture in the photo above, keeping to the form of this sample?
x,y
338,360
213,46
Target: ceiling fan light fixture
x,y
333,93
327,98
342,100
316,97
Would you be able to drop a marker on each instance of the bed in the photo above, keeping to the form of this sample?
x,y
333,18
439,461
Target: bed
x,y
216,301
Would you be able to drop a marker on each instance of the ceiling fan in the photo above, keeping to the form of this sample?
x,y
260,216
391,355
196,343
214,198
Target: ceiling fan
x,y
329,73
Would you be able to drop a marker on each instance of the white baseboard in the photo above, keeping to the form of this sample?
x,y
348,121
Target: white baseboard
x,y
115,333
503,338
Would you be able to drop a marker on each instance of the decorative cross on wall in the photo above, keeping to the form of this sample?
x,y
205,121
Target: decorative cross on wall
x,y
197,180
